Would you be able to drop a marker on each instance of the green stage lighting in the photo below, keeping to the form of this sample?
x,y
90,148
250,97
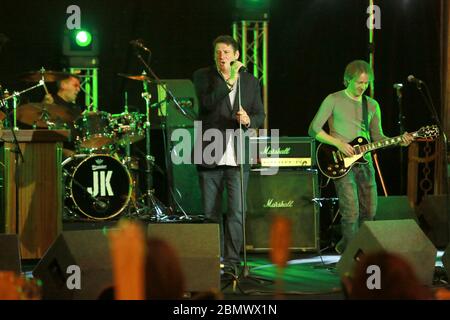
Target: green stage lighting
x,y
81,47
83,38
251,9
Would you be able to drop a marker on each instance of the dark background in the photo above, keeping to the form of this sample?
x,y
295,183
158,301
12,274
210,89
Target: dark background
x,y
310,43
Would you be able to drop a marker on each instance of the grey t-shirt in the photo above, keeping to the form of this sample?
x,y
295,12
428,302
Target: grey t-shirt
x,y
345,118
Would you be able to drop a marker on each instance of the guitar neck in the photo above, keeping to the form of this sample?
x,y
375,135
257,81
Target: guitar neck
x,y
383,143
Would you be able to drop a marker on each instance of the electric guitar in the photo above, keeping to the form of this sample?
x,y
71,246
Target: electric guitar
x,y
334,164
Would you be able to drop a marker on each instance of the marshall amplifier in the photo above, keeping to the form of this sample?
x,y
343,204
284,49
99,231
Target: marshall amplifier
x,y
289,193
282,151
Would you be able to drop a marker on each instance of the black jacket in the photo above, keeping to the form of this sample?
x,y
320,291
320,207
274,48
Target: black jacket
x,y
215,110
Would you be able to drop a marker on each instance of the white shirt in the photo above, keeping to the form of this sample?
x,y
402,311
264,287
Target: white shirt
x,y
229,157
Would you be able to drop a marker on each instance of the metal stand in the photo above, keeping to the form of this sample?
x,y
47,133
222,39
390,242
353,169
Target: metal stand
x,y
401,126
155,208
426,96
19,159
245,273
329,231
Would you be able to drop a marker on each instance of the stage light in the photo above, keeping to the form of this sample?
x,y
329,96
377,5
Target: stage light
x,y
253,3
81,47
252,9
83,38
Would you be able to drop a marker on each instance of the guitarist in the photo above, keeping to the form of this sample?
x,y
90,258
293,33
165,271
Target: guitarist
x,y
343,110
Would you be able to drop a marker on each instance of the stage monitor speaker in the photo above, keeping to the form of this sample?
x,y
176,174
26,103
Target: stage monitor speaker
x,y
184,176
394,208
87,249
433,216
402,237
446,260
198,246
9,253
288,193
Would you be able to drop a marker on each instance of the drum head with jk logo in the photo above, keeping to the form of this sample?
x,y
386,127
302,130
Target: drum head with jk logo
x,y
97,186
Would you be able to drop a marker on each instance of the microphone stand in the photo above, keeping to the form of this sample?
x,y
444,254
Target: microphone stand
x,y
17,151
434,115
245,274
149,158
167,90
398,89
18,155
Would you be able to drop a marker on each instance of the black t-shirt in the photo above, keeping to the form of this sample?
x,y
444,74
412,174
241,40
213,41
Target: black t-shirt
x,y
75,111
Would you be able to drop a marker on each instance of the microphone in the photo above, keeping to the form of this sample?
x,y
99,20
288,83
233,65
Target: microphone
x,y
398,85
138,44
413,79
242,68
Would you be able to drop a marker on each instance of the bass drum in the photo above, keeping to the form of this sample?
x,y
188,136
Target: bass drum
x,y
97,186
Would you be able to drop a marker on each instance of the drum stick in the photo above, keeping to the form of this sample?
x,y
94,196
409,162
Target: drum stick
x,y
45,87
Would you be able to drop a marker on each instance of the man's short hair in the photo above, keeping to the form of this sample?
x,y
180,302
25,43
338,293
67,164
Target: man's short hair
x,y
58,83
355,68
229,40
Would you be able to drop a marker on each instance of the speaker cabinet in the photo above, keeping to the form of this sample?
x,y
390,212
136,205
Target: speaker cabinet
x,y
88,249
9,253
402,237
433,216
289,193
198,247
446,260
184,176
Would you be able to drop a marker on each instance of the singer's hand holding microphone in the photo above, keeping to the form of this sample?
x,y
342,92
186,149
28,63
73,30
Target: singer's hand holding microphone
x,y
243,117
235,67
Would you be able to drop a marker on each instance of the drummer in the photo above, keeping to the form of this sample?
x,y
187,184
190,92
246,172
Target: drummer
x,y
67,93
66,96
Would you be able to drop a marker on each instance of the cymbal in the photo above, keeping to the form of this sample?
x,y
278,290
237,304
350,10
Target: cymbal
x,y
49,76
41,114
138,77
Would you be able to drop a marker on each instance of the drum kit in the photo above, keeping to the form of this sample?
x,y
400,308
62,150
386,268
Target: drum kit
x,y
101,179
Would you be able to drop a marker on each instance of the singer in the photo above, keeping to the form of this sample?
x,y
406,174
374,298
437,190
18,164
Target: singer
x,y
217,88
351,114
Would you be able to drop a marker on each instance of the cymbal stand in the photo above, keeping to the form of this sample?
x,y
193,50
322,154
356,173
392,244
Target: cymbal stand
x,y
45,117
133,208
6,94
18,158
155,208
15,113
171,96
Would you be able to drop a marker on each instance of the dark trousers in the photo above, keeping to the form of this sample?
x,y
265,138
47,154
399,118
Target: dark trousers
x,y
213,183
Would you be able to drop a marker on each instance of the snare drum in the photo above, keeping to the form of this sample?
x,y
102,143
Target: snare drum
x,y
97,186
94,131
129,128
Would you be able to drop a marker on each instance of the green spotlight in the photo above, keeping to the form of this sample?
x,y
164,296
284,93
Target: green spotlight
x,y
252,9
83,38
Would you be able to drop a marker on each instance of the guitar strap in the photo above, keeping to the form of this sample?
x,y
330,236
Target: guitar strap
x,y
365,114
